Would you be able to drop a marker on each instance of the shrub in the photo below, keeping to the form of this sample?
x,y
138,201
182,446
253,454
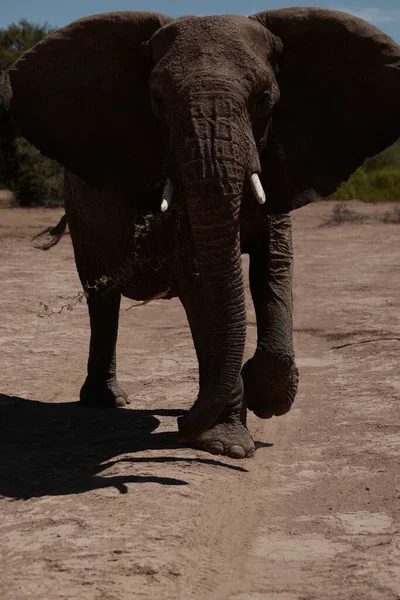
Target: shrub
x,y
388,158
342,214
379,185
36,179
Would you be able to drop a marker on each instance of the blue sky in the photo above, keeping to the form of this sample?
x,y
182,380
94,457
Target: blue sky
x,y
383,13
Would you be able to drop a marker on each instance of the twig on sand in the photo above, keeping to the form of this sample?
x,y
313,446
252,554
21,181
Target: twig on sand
x,y
385,339
159,296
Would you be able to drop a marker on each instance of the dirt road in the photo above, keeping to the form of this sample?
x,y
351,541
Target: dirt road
x,y
107,506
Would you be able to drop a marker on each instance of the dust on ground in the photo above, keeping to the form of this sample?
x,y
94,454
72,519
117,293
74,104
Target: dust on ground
x,y
104,506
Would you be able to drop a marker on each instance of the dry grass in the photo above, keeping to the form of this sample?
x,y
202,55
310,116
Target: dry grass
x,y
342,214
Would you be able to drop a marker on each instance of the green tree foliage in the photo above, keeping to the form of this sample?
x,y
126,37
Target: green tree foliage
x,y
39,180
378,180
388,158
16,39
33,178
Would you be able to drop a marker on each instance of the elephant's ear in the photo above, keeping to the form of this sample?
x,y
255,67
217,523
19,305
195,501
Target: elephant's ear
x,y
80,96
339,79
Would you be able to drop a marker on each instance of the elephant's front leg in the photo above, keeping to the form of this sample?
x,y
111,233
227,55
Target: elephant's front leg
x,y
271,376
101,389
229,435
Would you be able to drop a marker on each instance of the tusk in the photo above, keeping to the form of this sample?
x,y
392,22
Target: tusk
x,y
167,195
258,189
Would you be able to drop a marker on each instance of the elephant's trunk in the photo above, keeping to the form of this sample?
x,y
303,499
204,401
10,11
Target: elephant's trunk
x,y
212,170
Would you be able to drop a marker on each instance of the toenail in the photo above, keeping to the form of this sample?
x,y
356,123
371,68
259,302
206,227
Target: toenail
x,y
120,401
237,451
215,448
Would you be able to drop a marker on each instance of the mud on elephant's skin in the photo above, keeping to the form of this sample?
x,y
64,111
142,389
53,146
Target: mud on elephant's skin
x,y
221,108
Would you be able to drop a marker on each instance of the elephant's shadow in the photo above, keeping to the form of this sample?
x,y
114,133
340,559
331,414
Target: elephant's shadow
x,y
54,449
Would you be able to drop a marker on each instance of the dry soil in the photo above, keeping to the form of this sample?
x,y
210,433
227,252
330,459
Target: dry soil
x,y
106,506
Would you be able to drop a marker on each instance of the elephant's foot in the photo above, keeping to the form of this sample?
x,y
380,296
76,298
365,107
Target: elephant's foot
x,y
228,434
270,384
231,439
106,394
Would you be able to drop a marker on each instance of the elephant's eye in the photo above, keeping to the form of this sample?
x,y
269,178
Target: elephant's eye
x,y
157,99
265,98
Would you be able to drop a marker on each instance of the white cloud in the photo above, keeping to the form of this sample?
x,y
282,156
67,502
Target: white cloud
x,y
374,15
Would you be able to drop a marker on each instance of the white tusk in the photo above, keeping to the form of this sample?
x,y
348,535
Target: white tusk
x,y
258,189
167,195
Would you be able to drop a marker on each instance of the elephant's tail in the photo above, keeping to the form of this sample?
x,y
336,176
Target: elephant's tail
x,y
55,234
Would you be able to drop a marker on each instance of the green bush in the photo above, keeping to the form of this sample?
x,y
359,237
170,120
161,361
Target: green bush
x,y
388,158
36,179
378,180
379,185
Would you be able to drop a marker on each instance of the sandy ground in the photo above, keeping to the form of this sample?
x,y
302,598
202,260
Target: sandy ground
x,y
107,506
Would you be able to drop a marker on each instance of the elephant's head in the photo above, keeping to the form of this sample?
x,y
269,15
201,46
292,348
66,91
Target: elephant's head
x,y
213,89
299,97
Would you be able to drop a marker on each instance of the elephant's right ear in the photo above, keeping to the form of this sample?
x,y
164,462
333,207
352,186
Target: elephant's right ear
x,y
80,96
339,79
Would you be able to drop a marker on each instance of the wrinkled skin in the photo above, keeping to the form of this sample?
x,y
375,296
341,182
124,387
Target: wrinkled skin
x,y
299,96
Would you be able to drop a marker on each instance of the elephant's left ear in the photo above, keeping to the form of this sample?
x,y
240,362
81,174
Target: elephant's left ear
x,y
339,80
81,97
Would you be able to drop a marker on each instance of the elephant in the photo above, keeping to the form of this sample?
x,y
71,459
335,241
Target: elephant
x,y
186,143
